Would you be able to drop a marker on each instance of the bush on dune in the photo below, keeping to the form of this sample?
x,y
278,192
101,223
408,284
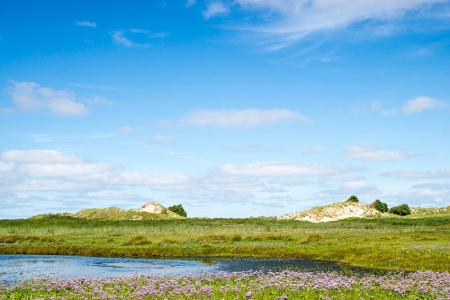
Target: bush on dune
x,y
380,206
178,209
352,199
401,210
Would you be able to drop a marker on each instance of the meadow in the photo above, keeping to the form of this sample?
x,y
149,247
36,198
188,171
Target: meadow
x,y
242,285
397,243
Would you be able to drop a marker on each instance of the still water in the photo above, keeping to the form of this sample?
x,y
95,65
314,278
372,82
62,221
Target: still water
x,y
15,268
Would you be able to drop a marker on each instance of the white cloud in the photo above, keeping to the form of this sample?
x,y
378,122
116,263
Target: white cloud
x,y
243,118
43,176
436,186
45,173
372,153
6,167
42,163
99,100
111,195
162,138
122,37
119,38
420,104
32,96
82,170
285,22
412,106
148,34
416,175
214,9
86,24
38,156
273,169
52,165
149,179
53,185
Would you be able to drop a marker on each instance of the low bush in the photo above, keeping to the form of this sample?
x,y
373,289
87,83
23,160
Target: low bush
x,y
352,199
178,209
236,238
380,206
401,210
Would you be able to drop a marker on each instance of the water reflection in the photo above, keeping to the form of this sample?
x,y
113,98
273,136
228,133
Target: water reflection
x,y
14,268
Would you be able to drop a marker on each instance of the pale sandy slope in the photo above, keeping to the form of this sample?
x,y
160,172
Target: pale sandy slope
x,y
334,212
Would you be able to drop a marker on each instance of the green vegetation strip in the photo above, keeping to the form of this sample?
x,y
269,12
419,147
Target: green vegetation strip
x,y
241,285
388,243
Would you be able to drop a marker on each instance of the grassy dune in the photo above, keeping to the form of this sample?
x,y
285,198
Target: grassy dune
x,y
391,243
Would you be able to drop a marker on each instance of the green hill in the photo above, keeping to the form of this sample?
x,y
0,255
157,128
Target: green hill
x,y
115,213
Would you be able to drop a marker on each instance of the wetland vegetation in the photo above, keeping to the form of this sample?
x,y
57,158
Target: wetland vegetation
x,y
417,242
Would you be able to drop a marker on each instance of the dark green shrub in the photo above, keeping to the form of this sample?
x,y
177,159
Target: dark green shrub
x,y
352,199
401,210
380,206
178,209
236,238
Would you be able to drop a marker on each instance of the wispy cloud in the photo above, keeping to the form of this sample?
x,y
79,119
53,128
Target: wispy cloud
x,y
243,118
190,3
273,169
215,8
371,153
119,38
149,34
412,106
285,22
122,37
86,24
421,104
29,96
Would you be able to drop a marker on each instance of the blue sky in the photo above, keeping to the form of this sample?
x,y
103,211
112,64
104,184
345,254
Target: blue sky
x,y
233,108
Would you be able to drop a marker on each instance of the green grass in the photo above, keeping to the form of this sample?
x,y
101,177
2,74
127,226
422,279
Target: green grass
x,y
408,243
269,293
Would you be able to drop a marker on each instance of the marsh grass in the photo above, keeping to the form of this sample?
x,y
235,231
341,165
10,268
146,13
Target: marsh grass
x,y
138,241
15,238
391,243
313,238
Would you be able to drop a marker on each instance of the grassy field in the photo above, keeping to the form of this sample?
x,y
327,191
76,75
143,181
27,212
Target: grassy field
x,y
242,285
419,243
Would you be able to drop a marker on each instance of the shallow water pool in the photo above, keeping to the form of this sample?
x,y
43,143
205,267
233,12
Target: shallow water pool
x,y
15,268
